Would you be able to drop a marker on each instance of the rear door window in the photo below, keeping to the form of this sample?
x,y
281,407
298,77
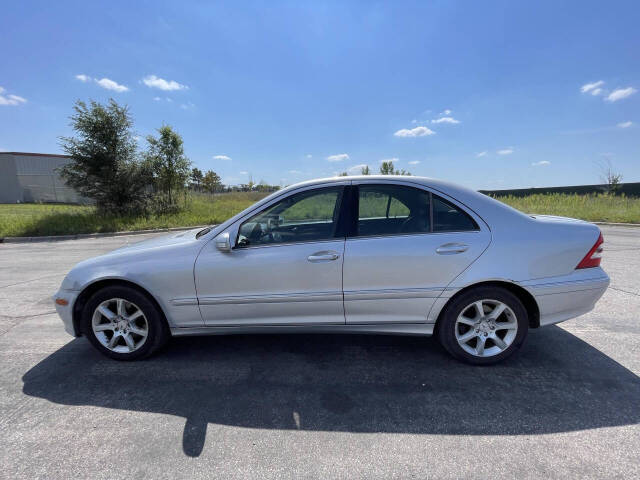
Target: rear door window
x,y
449,218
392,210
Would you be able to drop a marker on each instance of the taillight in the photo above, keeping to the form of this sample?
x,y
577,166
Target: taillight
x,y
592,259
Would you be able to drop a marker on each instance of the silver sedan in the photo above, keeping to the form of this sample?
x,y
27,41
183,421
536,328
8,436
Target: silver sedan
x,y
370,254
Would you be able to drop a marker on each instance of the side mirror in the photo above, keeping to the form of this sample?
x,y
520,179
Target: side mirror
x,y
223,242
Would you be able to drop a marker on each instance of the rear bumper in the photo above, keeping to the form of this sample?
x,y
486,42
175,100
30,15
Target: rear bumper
x,y
568,296
65,312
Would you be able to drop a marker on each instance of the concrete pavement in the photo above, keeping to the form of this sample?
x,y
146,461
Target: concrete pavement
x,y
302,406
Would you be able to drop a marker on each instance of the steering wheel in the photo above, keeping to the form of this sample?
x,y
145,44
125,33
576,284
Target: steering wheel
x,y
256,232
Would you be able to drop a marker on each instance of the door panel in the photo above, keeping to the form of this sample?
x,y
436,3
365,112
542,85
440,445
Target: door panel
x,y
397,260
272,285
285,267
397,278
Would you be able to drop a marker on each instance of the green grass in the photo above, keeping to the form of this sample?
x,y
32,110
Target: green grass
x,y
42,219
594,208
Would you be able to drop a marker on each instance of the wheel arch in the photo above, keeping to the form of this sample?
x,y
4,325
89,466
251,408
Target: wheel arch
x,y
93,287
527,299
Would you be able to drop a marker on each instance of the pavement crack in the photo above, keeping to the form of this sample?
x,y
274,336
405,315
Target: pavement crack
x,y
624,291
16,320
21,317
29,281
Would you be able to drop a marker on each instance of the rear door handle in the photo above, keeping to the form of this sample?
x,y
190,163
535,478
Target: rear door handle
x,y
323,257
452,248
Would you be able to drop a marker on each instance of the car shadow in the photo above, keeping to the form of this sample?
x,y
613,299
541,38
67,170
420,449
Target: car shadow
x,y
351,383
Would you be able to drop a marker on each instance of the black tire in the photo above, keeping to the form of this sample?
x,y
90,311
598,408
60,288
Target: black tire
x,y
445,329
158,331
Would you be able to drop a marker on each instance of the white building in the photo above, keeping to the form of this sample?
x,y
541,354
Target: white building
x,y
32,177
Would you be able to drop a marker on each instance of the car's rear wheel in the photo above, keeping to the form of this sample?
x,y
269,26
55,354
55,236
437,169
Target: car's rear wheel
x,y
483,325
123,323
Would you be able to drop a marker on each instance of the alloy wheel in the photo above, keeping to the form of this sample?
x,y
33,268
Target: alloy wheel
x,y
120,325
486,328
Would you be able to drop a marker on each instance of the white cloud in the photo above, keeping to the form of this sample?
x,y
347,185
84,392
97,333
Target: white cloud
x,y
243,173
414,162
505,151
541,163
11,100
394,160
309,155
156,99
187,106
109,84
589,87
596,91
620,93
414,132
446,112
294,172
106,83
17,99
152,81
482,154
445,120
357,168
221,157
338,157
625,124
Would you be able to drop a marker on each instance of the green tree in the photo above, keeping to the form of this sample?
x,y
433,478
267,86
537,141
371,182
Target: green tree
x,y
104,163
211,181
196,178
343,174
166,159
610,177
365,170
387,168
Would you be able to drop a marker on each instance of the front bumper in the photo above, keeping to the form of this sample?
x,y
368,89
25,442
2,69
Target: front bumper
x,y
568,296
65,312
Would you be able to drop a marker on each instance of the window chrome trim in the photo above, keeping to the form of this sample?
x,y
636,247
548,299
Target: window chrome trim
x,y
390,235
287,244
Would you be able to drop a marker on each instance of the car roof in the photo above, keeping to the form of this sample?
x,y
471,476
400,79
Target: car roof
x,y
494,213
486,207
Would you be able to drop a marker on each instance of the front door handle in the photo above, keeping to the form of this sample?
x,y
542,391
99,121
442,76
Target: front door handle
x,y
452,248
323,256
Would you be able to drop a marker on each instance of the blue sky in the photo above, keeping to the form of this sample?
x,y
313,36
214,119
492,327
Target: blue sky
x,y
488,94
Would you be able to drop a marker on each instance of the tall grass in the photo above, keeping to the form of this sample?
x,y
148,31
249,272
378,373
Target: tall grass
x,y
594,208
40,219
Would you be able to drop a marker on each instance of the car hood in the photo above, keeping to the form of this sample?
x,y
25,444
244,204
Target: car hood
x,y
162,241
139,256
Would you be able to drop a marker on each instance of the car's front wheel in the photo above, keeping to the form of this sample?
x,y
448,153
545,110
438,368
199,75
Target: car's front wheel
x,y
123,323
483,325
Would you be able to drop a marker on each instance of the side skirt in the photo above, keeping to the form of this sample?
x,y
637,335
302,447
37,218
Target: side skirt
x,y
384,329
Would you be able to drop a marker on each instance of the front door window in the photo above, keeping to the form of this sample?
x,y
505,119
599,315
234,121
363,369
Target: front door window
x,y
307,216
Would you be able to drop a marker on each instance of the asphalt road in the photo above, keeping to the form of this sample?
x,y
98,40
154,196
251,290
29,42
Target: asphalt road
x,y
300,406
